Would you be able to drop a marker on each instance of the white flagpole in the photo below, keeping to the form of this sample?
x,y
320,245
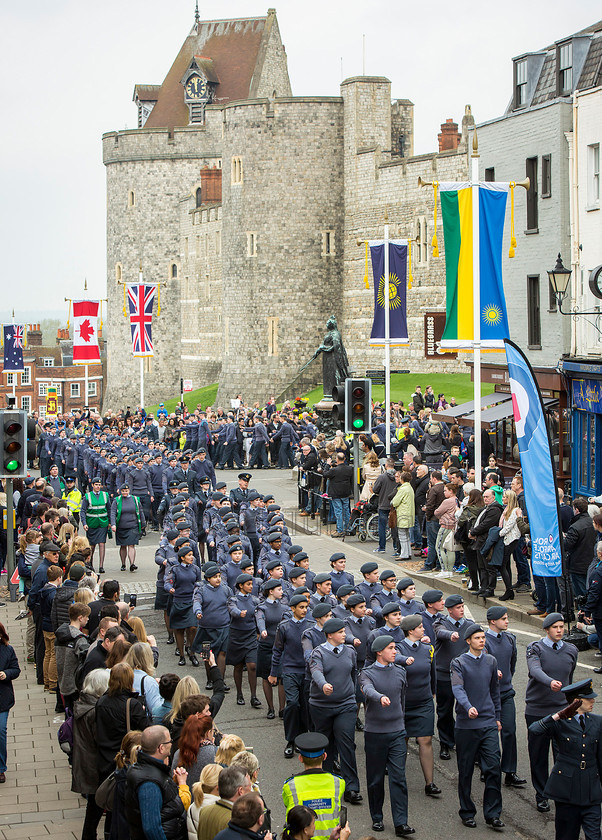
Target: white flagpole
x,y
476,295
387,346
141,281
15,374
86,368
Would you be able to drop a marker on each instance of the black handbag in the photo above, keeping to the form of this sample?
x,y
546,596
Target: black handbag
x,y
578,638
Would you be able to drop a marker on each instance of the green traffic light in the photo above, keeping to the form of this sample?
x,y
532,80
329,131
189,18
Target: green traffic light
x,y
12,466
358,423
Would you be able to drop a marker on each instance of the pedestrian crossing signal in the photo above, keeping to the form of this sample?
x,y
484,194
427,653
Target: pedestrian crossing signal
x,y
13,443
358,405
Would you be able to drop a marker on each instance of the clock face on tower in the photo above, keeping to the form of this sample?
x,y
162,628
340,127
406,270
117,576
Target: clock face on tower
x,y
196,88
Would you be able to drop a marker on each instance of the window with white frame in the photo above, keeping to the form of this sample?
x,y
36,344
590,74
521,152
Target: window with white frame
x,y
75,389
236,170
26,376
593,175
49,362
520,85
9,379
26,404
42,389
91,389
42,410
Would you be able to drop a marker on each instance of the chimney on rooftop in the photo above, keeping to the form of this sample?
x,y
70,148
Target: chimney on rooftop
x,y
449,137
34,335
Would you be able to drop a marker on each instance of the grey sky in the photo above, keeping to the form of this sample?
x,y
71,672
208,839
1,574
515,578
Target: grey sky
x,y
68,68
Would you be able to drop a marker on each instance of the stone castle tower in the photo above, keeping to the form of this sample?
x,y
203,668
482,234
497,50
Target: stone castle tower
x,y
246,204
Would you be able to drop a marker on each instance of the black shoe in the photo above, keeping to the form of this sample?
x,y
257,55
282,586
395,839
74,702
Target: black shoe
x,y
281,714
404,830
193,660
255,702
444,754
432,789
177,651
240,700
182,660
271,714
170,639
507,596
512,780
289,750
469,823
359,725
378,825
101,571
495,822
597,670
123,568
543,806
482,776
481,591
226,688
209,686
353,796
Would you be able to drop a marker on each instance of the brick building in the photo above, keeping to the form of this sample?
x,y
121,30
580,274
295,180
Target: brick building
x,y
52,365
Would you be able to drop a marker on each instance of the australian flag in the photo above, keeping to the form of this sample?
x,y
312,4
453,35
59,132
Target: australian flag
x,y
141,298
14,337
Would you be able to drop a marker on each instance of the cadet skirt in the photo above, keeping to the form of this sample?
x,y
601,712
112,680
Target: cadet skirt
x,y
161,597
182,615
420,720
264,659
97,536
217,637
242,647
126,536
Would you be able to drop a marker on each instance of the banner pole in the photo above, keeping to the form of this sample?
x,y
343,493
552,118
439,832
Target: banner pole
x,y
387,346
14,374
85,385
141,382
476,296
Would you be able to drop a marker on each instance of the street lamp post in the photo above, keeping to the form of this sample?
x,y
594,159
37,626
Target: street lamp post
x,y
560,277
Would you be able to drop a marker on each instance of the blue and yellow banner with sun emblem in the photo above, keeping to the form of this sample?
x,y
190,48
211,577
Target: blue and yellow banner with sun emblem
x,y
394,292
456,211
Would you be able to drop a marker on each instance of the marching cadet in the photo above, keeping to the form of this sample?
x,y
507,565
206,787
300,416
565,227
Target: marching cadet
x,y
343,593
270,612
502,645
383,685
242,643
314,787
297,577
386,595
240,495
165,555
358,628
370,585
232,569
322,595
420,694
249,523
392,627
210,605
433,606
406,589
475,685
276,572
333,709
312,637
338,575
551,664
288,661
575,781
449,643
301,561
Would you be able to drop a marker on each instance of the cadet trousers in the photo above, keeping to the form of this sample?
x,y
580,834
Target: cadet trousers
x,y
338,724
508,721
570,819
295,717
231,456
485,744
445,713
539,750
285,455
387,751
259,455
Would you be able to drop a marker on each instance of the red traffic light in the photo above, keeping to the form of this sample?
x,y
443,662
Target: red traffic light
x,y
358,392
12,428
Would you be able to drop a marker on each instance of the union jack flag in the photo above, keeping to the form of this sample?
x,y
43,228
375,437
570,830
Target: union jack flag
x,y
140,302
18,334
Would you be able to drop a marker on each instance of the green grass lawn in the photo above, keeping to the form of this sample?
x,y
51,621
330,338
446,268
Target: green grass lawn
x,y
456,385
203,396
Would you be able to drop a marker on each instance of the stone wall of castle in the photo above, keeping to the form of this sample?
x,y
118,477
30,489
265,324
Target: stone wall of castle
x,y
282,238
377,183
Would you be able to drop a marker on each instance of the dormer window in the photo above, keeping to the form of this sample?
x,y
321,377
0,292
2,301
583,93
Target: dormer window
x,y
520,87
565,68
199,82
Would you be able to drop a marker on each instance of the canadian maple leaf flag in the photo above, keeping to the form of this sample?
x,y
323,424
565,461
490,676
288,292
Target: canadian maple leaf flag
x,y
85,332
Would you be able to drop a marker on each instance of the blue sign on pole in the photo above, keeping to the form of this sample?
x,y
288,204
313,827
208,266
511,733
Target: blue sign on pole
x,y
539,480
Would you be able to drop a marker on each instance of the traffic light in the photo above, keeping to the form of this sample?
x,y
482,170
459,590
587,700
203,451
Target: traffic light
x,y
338,409
13,440
31,440
358,405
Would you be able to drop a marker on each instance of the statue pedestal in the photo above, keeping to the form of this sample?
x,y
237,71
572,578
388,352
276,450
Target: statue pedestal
x,y
325,422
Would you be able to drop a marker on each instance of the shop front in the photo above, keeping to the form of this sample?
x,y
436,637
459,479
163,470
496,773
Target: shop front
x,y
585,389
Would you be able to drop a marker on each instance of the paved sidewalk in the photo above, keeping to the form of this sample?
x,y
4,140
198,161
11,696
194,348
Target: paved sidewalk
x,y
36,800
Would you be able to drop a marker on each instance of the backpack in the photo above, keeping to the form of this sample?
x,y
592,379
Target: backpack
x,y
79,675
65,733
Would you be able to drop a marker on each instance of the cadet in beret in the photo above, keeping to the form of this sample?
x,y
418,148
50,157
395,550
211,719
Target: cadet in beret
x,y
314,636
288,659
551,664
392,627
433,606
383,685
449,643
210,605
165,555
575,781
242,643
502,645
180,581
275,571
407,591
343,593
322,595
386,595
270,612
420,693
301,560
370,584
359,626
475,685
338,575
333,666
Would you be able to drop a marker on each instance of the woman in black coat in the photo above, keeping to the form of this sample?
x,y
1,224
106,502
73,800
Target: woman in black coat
x,y
114,710
9,671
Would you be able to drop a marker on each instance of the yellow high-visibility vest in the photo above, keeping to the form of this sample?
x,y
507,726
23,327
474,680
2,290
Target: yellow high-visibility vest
x,y
319,790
